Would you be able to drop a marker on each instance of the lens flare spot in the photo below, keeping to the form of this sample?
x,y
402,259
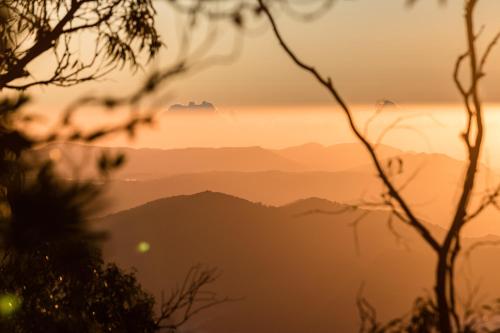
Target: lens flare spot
x,y
5,210
143,247
9,303
55,154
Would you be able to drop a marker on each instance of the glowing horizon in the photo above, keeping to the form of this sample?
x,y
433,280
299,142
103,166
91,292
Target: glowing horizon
x,y
429,128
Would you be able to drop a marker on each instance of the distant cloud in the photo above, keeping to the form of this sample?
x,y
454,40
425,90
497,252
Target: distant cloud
x,y
193,107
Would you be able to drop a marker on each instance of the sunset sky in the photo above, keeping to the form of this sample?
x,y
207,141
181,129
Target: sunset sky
x,y
265,166
372,50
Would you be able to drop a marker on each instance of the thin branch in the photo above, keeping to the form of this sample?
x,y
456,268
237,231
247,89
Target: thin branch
x,y
327,83
190,299
487,53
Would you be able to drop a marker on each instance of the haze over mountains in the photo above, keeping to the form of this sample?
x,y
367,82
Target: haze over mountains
x,y
295,272
340,173
144,164
339,157
279,225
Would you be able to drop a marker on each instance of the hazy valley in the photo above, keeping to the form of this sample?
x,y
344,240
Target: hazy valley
x,y
339,173
286,223
291,269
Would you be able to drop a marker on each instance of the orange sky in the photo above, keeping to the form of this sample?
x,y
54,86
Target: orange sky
x,y
428,128
372,49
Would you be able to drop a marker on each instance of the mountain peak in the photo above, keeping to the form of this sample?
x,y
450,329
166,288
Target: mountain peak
x,y
303,206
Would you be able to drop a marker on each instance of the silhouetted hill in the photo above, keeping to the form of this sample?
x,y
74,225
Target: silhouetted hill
x,y
296,273
311,205
430,182
144,163
270,187
432,192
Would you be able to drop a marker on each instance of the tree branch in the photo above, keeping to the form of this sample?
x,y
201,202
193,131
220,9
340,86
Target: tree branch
x,y
326,82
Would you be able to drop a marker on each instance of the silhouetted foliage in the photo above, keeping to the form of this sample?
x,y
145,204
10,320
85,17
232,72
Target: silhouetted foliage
x,y
423,317
89,297
53,275
122,29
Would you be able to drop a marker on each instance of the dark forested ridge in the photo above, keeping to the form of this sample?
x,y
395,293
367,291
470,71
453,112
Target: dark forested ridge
x,y
301,270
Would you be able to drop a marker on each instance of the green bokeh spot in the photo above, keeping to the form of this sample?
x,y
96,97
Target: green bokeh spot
x,y
9,303
143,247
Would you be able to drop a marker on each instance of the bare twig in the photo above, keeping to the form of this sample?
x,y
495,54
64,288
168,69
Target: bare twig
x,y
326,82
